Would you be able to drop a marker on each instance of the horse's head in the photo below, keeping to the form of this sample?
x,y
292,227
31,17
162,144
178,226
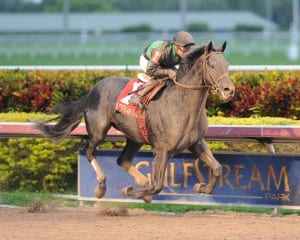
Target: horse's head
x,y
208,64
215,72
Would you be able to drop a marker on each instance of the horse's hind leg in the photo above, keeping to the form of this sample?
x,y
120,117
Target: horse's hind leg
x,y
97,128
100,189
203,153
125,161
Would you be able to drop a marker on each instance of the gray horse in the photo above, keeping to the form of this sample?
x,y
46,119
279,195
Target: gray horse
x,y
176,120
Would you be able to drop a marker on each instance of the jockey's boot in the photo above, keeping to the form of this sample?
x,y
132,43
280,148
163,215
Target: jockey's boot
x,y
135,99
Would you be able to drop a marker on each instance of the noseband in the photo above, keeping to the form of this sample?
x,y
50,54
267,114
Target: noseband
x,y
210,72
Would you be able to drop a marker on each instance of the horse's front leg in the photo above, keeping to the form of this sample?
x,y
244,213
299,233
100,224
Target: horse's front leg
x,y
158,174
125,161
202,152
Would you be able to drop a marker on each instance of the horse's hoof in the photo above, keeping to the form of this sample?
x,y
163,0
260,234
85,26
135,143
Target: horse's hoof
x,y
199,188
100,189
147,199
208,190
127,190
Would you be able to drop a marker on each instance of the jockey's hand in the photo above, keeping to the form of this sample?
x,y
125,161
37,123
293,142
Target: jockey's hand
x,y
172,74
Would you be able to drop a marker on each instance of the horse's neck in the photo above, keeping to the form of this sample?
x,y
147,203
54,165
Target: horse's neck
x,y
189,101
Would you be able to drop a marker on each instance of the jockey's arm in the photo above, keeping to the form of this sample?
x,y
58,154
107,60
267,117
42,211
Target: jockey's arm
x,y
158,72
156,53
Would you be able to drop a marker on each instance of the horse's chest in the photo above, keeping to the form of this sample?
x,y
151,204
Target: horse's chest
x,y
179,131
192,137
186,139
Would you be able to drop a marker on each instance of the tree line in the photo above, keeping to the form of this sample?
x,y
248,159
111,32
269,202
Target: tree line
x,y
281,10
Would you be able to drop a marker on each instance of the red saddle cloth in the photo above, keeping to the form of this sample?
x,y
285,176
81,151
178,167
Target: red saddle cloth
x,y
123,106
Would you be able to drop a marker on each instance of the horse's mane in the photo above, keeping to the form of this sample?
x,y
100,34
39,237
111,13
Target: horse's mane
x,y
194,54
189,59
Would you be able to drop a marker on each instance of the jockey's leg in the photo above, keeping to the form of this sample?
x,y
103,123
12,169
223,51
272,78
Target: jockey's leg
x,y
155,87
136,97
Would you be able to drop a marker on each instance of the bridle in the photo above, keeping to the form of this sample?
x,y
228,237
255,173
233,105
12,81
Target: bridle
x,y
210,72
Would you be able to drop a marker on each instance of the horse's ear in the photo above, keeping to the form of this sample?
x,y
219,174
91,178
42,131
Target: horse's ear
x,y
224,46
209,46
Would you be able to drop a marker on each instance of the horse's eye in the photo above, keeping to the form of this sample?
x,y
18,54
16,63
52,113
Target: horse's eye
x,y
211,64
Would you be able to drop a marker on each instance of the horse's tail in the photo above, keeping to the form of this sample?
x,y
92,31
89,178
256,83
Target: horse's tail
x,y
70,113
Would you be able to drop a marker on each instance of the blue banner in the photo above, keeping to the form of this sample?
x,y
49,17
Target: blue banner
x,y
247,179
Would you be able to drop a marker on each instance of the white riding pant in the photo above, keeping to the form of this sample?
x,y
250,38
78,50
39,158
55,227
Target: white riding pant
x,y
143,63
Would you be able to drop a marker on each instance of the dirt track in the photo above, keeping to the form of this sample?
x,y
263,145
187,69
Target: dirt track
x,y
91,223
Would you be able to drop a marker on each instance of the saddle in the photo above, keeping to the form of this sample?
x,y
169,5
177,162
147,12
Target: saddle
x,y
135,85
147,91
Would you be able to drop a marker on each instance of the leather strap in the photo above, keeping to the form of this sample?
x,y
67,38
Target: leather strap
x,y
142,126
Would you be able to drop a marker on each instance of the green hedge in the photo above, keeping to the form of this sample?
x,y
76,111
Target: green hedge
x,y
143,27
37,164
267,93
198,27
39,91
245,27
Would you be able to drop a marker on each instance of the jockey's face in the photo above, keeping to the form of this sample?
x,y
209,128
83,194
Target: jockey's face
x,y
181,50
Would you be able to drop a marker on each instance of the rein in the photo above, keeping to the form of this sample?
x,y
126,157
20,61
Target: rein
x,y
194,87
210,73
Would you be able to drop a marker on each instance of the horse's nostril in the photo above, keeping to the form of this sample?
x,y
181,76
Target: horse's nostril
x,y
229,91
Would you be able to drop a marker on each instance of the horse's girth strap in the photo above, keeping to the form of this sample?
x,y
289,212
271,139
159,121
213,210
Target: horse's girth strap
x,y
142,126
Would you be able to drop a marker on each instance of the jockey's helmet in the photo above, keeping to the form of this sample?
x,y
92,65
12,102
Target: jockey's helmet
x,y
184,39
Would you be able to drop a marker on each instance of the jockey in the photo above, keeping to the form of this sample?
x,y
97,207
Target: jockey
x,y
160,58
